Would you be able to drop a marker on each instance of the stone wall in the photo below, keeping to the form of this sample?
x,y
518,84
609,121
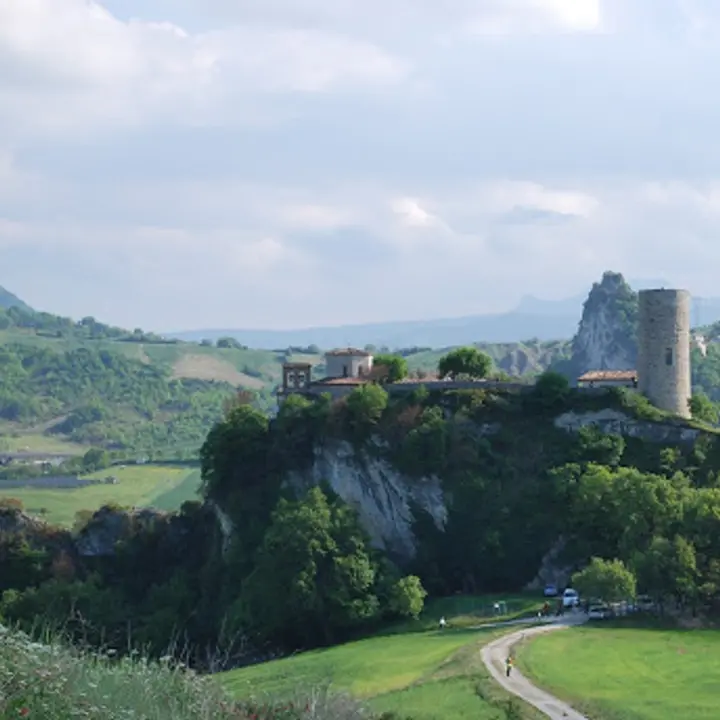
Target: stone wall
x,y
664,349
355,365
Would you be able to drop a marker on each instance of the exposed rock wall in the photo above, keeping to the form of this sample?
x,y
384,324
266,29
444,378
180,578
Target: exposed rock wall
x,y
617,423
382,496
607,334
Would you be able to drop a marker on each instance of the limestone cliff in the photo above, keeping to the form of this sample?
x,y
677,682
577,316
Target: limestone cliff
x,y
382,496
606,337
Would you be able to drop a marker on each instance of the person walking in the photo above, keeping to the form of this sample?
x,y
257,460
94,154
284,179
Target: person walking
x,y
508,665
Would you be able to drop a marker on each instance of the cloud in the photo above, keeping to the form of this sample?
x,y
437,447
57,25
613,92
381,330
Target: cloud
x,y
177,163
70,64
425,15
534,16
412,215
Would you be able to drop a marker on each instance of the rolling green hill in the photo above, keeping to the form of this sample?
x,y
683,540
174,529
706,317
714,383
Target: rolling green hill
x,y
66,386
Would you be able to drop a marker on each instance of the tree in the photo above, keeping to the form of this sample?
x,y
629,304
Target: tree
x,y
551,388
668,568
596,446
702,408
407,597
465,361
95,459
314,575
390,368
231,343
234,455
365,406
607,580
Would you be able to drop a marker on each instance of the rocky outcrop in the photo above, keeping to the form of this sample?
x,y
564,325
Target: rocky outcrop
x,y
614,422
382,497
224,523
607,335
110,526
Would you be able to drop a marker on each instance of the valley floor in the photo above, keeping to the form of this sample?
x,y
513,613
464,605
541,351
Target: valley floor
x,y
163,487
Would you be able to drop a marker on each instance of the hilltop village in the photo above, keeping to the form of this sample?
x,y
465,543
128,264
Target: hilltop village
x,y
662,373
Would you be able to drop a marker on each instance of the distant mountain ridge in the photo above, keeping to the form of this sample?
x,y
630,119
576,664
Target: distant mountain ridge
x,y
8,300
533,318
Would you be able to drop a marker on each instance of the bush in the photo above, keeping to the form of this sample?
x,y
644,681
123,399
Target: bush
x,y
551,389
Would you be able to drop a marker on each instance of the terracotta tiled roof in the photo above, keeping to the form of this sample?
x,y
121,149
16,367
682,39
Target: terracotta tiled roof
x,y
341,381
599,375
351,352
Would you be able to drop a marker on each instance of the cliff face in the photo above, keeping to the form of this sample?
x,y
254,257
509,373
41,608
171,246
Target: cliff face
x,y
381,495
606,338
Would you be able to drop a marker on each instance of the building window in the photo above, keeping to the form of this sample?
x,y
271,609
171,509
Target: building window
x,y
345,370
668,356
300,379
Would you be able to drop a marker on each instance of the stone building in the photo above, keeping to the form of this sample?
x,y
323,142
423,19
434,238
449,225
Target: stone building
x,y
348,363
345,369
664,349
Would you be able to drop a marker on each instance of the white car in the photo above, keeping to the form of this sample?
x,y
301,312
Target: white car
x,y
570,598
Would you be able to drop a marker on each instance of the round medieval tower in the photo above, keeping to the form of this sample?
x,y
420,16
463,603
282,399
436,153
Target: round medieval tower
x,y
664,349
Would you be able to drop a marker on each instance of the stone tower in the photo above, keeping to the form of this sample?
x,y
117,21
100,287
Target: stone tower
x,y
664,349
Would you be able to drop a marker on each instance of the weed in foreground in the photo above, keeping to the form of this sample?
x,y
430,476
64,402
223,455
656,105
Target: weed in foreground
x,y
54,682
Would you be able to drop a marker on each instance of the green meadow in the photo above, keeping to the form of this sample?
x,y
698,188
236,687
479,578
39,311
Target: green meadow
x,y
410,670
619,673
165,487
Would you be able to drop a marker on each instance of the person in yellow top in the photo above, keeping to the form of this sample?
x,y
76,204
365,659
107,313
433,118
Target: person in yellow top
x,y
508,665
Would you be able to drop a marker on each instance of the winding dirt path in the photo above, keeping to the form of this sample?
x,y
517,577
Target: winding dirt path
x,y
495,653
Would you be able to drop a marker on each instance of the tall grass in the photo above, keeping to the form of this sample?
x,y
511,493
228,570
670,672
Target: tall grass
x,y
51,681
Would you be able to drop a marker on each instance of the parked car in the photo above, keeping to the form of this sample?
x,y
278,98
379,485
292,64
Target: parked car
x,y
570,598
599,612
550,591
644,603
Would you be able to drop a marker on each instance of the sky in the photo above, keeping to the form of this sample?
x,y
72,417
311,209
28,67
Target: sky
x,y
185,164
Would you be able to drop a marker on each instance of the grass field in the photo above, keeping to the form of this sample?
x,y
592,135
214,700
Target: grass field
x,y
425,674
165,487
30,441
620,673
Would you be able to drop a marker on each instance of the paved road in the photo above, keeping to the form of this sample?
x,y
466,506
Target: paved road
x,y
494,655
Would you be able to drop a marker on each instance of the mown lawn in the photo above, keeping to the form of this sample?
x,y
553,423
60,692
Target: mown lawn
x,y
621,673
365,668
426,675
162,486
